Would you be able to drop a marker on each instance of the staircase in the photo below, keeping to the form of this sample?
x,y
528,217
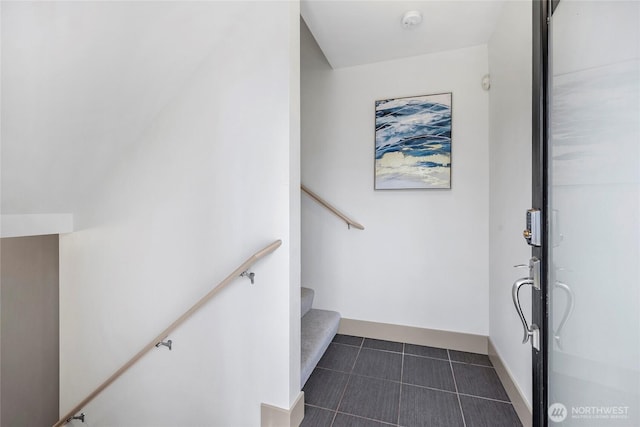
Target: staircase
x,y
318,329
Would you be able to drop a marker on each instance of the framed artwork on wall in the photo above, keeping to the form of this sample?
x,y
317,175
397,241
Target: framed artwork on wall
x,y
413,142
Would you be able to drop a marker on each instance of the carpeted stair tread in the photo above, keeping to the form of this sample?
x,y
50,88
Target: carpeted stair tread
x,y
318,329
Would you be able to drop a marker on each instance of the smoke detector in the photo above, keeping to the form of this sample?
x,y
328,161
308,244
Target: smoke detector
x,y
486,82
411,19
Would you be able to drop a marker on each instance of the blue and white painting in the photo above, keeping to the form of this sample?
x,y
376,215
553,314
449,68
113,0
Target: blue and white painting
x,y
413,142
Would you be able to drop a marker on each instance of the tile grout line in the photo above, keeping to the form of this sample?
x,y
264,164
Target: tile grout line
x,y
464,423
357,355
426,357
486,398
365,418
401,374
348,381
472,364
382,349
432,388
368,376
319,407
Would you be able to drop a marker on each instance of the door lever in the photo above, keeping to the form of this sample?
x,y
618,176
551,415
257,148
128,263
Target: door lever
x,y
515,293
530,332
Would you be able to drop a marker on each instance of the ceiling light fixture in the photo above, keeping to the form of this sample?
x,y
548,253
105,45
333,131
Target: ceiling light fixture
x,y
411,19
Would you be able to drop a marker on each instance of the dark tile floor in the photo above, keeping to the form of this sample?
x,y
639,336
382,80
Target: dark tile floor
x,y
362,382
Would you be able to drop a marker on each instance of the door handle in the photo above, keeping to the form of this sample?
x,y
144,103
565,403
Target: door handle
x,y
530,332
567,311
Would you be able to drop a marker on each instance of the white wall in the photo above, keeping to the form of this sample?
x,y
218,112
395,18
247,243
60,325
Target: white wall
x,y
423,258
510,184
206,185
81,82
294,202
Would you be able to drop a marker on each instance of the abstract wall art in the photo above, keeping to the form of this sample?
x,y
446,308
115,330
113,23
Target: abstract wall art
x,y
413,142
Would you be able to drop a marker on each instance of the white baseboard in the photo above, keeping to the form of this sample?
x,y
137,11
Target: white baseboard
x,y
518,400
272,416
413,335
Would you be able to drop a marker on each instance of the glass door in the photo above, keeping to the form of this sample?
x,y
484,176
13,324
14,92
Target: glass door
x,y
592,214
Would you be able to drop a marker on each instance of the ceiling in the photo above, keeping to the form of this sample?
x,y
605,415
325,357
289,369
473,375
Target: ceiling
x,y
361,32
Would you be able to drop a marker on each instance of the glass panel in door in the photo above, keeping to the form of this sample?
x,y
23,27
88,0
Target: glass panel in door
x,y
594,214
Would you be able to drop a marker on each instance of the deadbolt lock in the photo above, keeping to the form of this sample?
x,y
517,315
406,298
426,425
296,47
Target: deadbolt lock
x,y
533,233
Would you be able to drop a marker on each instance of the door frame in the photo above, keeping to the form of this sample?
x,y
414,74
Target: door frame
x,y
540,122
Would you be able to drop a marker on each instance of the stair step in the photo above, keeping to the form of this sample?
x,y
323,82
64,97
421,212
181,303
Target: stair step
x,y
307,300
318,329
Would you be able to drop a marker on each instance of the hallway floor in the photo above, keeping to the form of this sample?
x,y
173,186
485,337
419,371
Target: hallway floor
x,y
362,382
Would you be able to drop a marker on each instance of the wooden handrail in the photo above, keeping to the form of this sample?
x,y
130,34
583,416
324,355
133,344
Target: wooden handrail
x,y
336,212
160,337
